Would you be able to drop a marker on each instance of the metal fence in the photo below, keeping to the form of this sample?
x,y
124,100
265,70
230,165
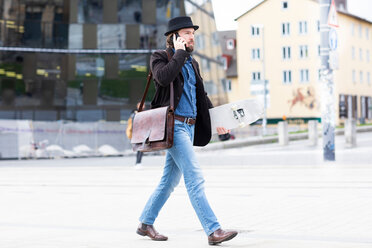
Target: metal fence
x,y
41,139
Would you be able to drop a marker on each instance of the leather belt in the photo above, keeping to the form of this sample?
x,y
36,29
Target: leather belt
x,y
187,120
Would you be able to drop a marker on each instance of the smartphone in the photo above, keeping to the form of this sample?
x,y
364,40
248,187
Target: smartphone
x,y
177,35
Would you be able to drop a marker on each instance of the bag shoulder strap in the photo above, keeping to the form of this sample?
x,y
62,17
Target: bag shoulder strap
x,y
149,76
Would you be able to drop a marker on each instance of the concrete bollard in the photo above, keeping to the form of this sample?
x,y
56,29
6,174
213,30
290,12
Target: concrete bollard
x,y
313,132
350,133
283,133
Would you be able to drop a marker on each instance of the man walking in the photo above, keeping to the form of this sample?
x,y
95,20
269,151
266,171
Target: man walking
x,y
192,127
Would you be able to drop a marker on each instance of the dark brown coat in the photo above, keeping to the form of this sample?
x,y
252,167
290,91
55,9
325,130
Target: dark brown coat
x,y
164,73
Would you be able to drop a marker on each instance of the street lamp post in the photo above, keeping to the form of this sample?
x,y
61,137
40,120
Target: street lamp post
x,y
264,119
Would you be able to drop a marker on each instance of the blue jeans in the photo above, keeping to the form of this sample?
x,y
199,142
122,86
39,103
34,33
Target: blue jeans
x,y
180,160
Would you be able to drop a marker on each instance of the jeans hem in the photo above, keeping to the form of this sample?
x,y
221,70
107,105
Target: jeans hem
x,y
213,230
146,223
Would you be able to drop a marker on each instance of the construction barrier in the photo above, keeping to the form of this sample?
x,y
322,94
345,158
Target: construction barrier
x,y
42,139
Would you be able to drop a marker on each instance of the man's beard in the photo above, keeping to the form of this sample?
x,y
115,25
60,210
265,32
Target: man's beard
x,y
190,49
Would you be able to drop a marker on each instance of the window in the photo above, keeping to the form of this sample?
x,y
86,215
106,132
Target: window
x,y
352,29
353,52
230,44
75,37
229,86
199,40
129,12
367,33
226,84
286,52
369,78
360,54
89,65
284,5
363,103
255,31
256,76
361,77
304,75
148,37
318,50
318,25
304,51
285,28
287,77
223,59
367,56
206,65
319,74
111,36
255,53
360,31
210,87
354,76
215,39
302,27
91,11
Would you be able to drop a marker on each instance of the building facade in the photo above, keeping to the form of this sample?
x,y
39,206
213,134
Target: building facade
x,y
229,56
79,60
208,50
284,51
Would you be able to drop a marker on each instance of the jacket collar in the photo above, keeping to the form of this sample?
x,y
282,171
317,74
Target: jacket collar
x,y
193,62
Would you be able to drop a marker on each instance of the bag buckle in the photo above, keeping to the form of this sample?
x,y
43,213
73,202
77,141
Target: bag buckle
x,y
147,140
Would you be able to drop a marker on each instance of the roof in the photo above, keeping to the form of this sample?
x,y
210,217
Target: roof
x,y
338,10
354,16
250,9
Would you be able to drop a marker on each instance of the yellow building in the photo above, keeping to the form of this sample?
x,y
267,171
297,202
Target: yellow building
x,y
280,41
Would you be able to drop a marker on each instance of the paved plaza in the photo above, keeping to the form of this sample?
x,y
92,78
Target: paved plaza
x,y
274,196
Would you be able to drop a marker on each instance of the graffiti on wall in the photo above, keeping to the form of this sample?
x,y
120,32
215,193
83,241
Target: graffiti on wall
x,y
304,97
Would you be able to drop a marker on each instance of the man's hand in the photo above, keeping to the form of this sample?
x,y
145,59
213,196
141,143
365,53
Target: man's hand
x,y
179,43
222,130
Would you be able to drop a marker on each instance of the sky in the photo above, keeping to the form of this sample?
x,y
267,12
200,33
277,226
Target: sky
x,y
227,11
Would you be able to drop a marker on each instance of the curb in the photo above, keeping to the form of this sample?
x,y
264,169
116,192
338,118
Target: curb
x,y
259,140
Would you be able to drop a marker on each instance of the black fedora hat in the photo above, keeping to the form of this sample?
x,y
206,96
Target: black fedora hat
x,y
180,22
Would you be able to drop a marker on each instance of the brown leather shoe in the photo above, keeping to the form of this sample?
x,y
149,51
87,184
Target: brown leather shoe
x,y
220,236
149,230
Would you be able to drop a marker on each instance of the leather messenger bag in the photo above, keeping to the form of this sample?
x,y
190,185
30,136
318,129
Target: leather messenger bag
x,y
153,129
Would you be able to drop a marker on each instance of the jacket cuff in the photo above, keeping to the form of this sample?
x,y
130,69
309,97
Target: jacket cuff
x,y
181,53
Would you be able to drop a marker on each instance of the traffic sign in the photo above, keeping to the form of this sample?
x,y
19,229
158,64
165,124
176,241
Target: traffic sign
x,y
332,15
332,39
